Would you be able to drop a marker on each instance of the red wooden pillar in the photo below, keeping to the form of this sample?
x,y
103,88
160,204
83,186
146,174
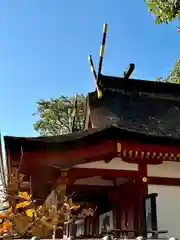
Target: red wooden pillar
x,y
96,223
143,192
115,199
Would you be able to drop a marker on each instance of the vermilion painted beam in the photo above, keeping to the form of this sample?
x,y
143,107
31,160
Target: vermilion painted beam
x,y
164,181
83,188
109,173
149,147
80,173
150,180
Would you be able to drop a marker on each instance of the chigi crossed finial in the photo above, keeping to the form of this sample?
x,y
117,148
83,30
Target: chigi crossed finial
x,y
97,76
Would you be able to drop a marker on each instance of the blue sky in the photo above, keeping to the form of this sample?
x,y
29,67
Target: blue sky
x,y
44,46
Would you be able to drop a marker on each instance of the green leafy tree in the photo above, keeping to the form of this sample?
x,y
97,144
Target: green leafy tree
x,y
56,115
164,10
174,74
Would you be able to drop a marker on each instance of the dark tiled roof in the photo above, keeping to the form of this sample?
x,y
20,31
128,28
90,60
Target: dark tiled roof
x,y
151,108
136,85
14,144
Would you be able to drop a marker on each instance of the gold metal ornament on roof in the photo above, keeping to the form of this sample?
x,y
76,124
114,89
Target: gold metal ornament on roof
x,y
144,179
146,155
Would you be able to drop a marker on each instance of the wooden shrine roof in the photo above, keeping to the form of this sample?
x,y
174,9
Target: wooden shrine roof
x,y
131,112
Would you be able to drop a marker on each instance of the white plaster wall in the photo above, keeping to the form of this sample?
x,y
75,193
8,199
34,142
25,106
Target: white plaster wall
x,y
116,164
98,181
166,169
168,208
94,181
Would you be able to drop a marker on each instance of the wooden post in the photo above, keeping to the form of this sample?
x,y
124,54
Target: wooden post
x,y
143,192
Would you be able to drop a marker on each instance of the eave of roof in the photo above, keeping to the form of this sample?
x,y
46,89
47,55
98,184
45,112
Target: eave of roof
x,y
85,138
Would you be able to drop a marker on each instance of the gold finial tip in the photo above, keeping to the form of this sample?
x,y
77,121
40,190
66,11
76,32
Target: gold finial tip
x,y
105,26
99,93
89,57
